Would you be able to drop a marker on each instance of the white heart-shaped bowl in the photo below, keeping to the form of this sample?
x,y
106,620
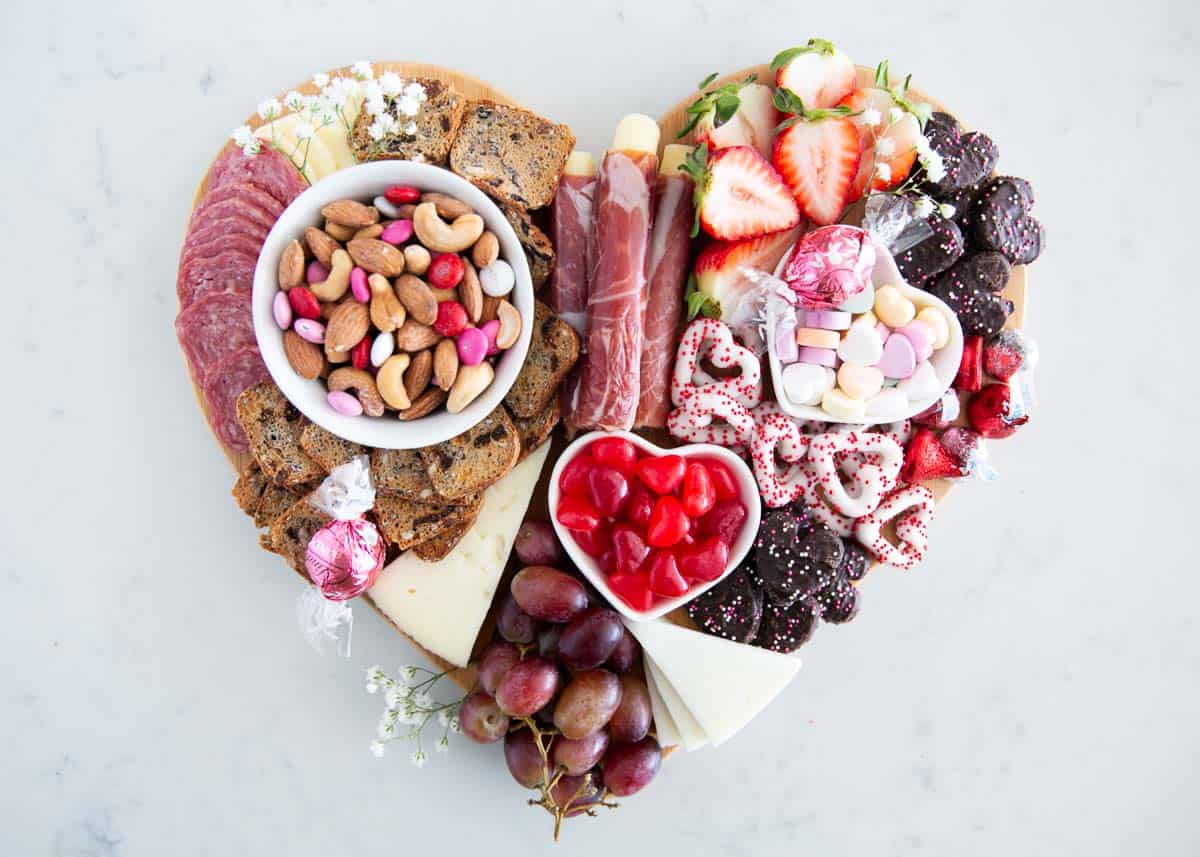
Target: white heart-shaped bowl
x,y
591,569
364,182
945,361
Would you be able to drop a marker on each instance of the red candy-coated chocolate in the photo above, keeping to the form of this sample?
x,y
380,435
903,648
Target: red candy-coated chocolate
x,y
662,474
698,492
668,523
990,412
665,579
304,303
577,513
451,318
360,355
402,194
445,271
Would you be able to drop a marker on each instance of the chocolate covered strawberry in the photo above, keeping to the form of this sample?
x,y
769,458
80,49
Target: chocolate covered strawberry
x,y
992,412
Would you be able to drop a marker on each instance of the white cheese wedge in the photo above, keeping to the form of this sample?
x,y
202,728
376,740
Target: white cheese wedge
x,y
317,160
691,734
722,683
441,605
664,723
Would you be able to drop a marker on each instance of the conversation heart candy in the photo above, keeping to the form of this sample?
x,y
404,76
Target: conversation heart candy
x,y
887,404
817,338
785,341
819,356
922,337
899,359
805,383
936,319
859,382
860,302
838,404
862,345
922,384
827,319
883,330
893,308
866,318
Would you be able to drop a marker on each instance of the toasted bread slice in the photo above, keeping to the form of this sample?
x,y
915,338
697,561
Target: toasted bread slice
x,y
538,248
326,448
273,503
406,523
439,547
534,431
273,426
553,350
436,126
248,489
475,459
292,530
402,471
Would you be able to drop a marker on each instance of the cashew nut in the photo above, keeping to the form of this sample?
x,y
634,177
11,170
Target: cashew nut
x,y
389,380
471,381
442,237
338,281
359,380
387,313
510,325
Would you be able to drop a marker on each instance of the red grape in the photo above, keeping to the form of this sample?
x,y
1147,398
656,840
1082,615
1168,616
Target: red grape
x,y
580,791
549,594
527,686
481,719
629,768
547,642
513,623
580,755
587,703
631,721
523,758
625,654
495,661
589,639
536,544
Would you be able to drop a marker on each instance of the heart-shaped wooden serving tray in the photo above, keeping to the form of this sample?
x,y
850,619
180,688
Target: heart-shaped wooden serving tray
x,y
670,122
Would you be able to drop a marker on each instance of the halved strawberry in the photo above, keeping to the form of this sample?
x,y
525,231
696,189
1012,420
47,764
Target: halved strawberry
x,y
739,194
818,73
817,152
719,282
889,143
926,458
736,114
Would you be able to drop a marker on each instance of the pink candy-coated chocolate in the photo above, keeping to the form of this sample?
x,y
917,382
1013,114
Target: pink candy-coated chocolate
x,y
315,272
397,232
343,558
922,337
281,308
491,329
830,265
472,346
826,319
819,356
358,285
899,358
310,330
344,403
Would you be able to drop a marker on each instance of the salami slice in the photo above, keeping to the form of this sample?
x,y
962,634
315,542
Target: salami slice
x,y
214,227
219,244
269,170
242,199
236,372
228,271
213,328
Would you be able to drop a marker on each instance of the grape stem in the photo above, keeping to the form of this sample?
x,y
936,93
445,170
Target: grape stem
x,y
551,774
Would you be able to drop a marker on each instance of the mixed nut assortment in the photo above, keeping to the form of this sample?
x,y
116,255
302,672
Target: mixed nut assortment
x,y
399,305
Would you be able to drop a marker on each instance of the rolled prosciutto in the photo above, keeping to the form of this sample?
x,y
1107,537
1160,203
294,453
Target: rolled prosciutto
x,y
666,277
571,229
610,383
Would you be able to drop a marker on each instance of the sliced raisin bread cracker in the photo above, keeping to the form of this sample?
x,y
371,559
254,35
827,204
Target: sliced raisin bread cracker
x,y
553,350
538,248
475,459
292,530
248,489
401,471
273,426
534,431
439,547
511,154
437,124
326,448
406,523
273,503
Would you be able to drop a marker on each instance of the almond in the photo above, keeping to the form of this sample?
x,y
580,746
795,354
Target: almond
x,y
321,245
305,358
471,293
417,298
445,295
420,370
445,364
338,231
447,206
372,231
348,324
350,212
412,336
486,250
376,257
426,403
490,307
291,266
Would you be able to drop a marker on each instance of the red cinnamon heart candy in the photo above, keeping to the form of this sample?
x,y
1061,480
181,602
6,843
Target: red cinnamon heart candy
x,y
698,493
615,452
661,474
629,549
633,589
576,513
704,561
665,578
608,488
723,481
639,505
724,521
573,479
668,523
596,541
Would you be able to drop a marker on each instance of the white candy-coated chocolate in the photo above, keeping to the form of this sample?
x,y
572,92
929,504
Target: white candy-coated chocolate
x,y
497,279
579,164
673,157
382,348
636,133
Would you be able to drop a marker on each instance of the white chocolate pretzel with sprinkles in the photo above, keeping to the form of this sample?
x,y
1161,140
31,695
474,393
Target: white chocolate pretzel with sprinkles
x,y
708,338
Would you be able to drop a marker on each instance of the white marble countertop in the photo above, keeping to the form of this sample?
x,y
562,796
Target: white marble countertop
x,y
1031,690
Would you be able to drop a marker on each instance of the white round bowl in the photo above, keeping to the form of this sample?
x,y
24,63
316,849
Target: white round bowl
x,y
365,182
591,569
945,360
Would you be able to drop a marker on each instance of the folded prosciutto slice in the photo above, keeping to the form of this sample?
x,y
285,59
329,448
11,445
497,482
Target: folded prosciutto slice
x,y
666,276
571,228
610,382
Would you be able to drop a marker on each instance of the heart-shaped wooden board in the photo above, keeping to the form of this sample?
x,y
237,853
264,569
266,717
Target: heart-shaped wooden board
x,y
670,123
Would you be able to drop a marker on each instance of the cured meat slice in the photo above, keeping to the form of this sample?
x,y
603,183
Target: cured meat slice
x,y
666,278
214,227
610,381
571,228
245,197
269,170
228,271
219,243
213,328
236,372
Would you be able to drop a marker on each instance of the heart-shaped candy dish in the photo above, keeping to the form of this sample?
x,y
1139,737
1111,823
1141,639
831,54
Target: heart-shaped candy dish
x,y
606,528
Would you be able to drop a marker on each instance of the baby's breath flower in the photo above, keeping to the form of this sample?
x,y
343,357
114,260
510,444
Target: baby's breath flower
x,y
408,104
415,90
455,725
252,147
372,687
871,117
885,146
269,109
408,674
947,210
923,207
242,135
443,744
921,144
320,80
377,749
396,697
894,114
935,168
385,729
293,100
410,129
884,172
303,130
423,699
443,717
391,83
362,70
418,758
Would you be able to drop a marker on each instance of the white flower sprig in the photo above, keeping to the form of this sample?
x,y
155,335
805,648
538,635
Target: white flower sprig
x,y
409,702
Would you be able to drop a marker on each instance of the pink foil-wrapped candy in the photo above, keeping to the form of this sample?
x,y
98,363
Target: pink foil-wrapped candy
x,y
830,265
344,558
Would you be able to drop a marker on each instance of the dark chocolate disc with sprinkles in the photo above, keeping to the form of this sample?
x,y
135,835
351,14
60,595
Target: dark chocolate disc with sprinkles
x,y
855,560
933,255
838,602
977,159
785,629
732,609
1000,220
970,289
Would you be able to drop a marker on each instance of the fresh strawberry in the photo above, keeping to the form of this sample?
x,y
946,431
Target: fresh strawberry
x,y
739,194
818,73
990,412
889,126
926,458
736,114
719,283
817,153
970,370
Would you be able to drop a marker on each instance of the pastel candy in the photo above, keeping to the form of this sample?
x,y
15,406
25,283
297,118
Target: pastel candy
x,y
859,382
899,357
838,404
883,330
893,308
816,338
868,318
922,385
922,337
806,383
860,302
862,345
819,356
785,341
936,319
828,319
887,404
